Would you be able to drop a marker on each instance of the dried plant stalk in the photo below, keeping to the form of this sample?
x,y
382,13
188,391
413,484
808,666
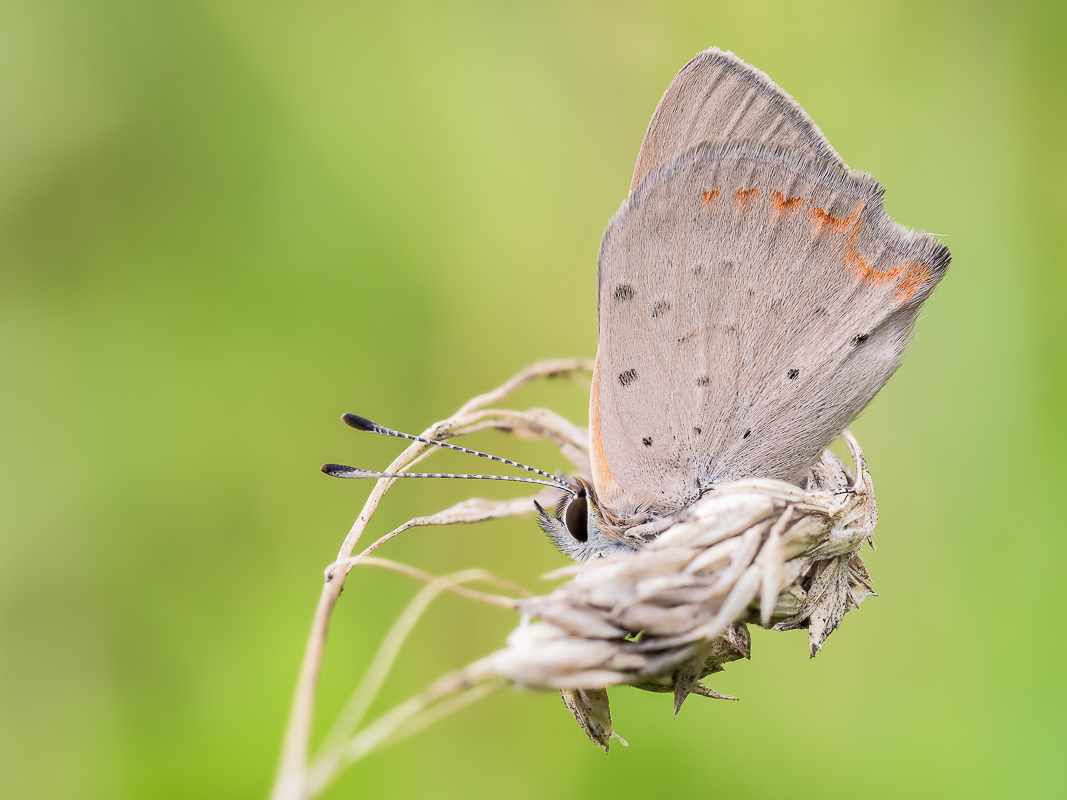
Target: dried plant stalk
x,y
660,619
291,781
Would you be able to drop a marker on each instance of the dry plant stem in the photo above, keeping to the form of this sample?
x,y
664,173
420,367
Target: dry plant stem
x,y
291,781
473,510
449,583
429,713
445,697
336,743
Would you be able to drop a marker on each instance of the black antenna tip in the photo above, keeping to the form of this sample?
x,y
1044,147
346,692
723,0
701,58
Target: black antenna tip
x,y
338,470
358,422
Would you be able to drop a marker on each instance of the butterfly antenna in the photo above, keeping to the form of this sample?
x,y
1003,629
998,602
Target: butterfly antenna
x,y
343,471
364,424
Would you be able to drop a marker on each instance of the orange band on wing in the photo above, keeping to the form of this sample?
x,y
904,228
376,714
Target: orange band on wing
x,y
781,204
823,219
912,275
859,265
742,196
602,477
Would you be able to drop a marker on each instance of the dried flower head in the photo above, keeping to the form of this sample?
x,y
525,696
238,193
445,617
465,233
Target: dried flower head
x,y
661,618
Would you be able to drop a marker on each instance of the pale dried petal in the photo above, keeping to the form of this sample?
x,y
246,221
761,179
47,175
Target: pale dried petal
x,y
590,709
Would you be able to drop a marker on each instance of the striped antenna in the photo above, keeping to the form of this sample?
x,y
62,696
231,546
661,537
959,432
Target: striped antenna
x,y
342,471
364,424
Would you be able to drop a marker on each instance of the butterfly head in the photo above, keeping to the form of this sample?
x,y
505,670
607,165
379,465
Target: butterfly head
x,y
581,527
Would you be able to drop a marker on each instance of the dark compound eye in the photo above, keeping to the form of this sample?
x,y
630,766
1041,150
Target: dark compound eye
x,y
576,518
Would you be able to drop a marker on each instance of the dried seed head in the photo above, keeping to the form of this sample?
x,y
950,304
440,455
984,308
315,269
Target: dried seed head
x,y
675,611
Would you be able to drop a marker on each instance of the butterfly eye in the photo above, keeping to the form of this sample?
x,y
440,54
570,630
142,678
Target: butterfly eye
x,y
576,518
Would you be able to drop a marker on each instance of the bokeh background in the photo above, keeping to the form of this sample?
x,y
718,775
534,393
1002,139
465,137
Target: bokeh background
x,y
224,223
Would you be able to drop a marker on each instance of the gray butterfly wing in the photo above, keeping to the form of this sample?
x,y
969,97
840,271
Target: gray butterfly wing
x,y
751,303
717,97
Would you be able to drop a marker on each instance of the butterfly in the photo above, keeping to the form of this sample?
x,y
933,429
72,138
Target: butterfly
x,y
752,298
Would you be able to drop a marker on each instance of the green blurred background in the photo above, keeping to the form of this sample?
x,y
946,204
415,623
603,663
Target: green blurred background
x,y
223,224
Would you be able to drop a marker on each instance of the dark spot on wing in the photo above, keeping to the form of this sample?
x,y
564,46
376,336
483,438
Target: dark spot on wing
x,y
624,291
727,265
698,269
792,374
647,441
747,433
861,338
696,431
628,377
687,337
703,381
660,307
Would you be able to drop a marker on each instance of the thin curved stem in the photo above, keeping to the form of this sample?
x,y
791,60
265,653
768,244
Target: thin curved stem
x,y
447,583
333,748
291,782
444,697
474,510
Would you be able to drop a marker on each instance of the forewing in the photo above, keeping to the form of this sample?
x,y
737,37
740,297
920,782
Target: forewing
x,y
718,98
751,303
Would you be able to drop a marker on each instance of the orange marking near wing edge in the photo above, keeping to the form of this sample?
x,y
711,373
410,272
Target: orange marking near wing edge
x,y
915,276
742,196
824,219
862,267
781,204
711,196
